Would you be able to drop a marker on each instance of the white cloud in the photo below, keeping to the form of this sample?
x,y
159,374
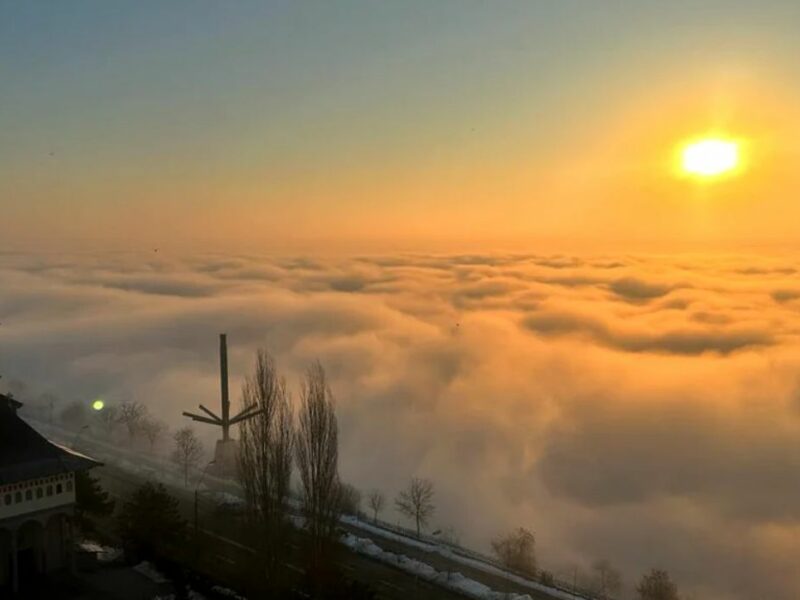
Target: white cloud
x,y
640,408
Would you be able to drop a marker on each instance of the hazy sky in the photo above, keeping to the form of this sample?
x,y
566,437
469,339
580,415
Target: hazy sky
x,y
448,124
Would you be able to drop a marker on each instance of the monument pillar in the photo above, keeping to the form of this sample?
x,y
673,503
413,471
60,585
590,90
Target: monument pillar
x,y
226,449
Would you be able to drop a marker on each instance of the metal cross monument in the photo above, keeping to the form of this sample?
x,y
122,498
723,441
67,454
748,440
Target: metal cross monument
x,y
226,450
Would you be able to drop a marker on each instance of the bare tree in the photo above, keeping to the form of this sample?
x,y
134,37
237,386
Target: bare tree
x,y
376,501
317,449
517,551
187,452
131,415
417,502
108,417
153,430
350,498
657,585
265,460
607,580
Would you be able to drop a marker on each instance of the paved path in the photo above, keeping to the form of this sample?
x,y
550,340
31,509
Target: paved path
x,y
120,583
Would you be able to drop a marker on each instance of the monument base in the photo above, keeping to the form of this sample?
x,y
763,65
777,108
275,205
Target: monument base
x,y
225,454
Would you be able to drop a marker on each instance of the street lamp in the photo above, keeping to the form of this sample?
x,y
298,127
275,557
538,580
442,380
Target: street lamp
x,y
196,490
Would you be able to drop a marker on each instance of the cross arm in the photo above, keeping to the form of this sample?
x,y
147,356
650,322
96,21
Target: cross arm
x,y
253,408
246,414
209,413
201,419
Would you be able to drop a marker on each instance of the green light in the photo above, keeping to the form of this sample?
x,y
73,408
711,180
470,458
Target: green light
x,y
98,405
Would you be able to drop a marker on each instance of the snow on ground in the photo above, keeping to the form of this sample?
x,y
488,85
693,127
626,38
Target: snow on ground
x,y
453,581
105,554
460,558
227,498
223,591
88,546
149,571
298,521
190,593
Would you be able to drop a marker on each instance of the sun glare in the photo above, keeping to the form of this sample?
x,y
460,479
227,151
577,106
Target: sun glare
x,y
710,157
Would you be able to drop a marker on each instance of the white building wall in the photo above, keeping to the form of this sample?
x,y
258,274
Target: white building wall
x,y
36,494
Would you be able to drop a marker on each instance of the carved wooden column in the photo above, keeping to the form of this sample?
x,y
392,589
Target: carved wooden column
x,y
39,547
14,565
70,527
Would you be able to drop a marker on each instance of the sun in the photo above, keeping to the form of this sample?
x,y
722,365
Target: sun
x,y
710,157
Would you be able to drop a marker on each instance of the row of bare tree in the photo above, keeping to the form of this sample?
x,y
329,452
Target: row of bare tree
x,y
137,422
415,502
271,444
275,441
131,416
516,551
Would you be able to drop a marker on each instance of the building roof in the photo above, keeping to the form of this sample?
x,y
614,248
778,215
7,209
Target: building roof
x,y
26,454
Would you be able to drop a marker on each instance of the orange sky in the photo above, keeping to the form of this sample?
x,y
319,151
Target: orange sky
x,y
453,135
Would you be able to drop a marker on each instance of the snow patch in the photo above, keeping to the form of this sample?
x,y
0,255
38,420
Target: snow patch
x,y
190,593
105,554
149,571
450,554
228,593
452,581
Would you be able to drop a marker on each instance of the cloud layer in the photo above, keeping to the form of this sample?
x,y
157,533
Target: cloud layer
x,y
644,409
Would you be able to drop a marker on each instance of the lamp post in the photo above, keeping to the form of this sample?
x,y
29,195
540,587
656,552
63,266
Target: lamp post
x,y
196,492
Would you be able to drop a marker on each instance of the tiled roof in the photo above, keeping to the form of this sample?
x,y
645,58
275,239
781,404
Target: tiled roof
x,y
26,454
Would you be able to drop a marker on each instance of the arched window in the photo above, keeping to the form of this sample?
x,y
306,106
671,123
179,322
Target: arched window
x,y
39,493
7,499
17,497
69,486
49,490
59,488
28,494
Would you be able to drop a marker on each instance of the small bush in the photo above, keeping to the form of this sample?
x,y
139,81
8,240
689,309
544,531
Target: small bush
x,y
150,524
516,550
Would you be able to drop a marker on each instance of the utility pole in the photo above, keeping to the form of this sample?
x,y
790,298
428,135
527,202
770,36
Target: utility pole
x,y
196,498
223,385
